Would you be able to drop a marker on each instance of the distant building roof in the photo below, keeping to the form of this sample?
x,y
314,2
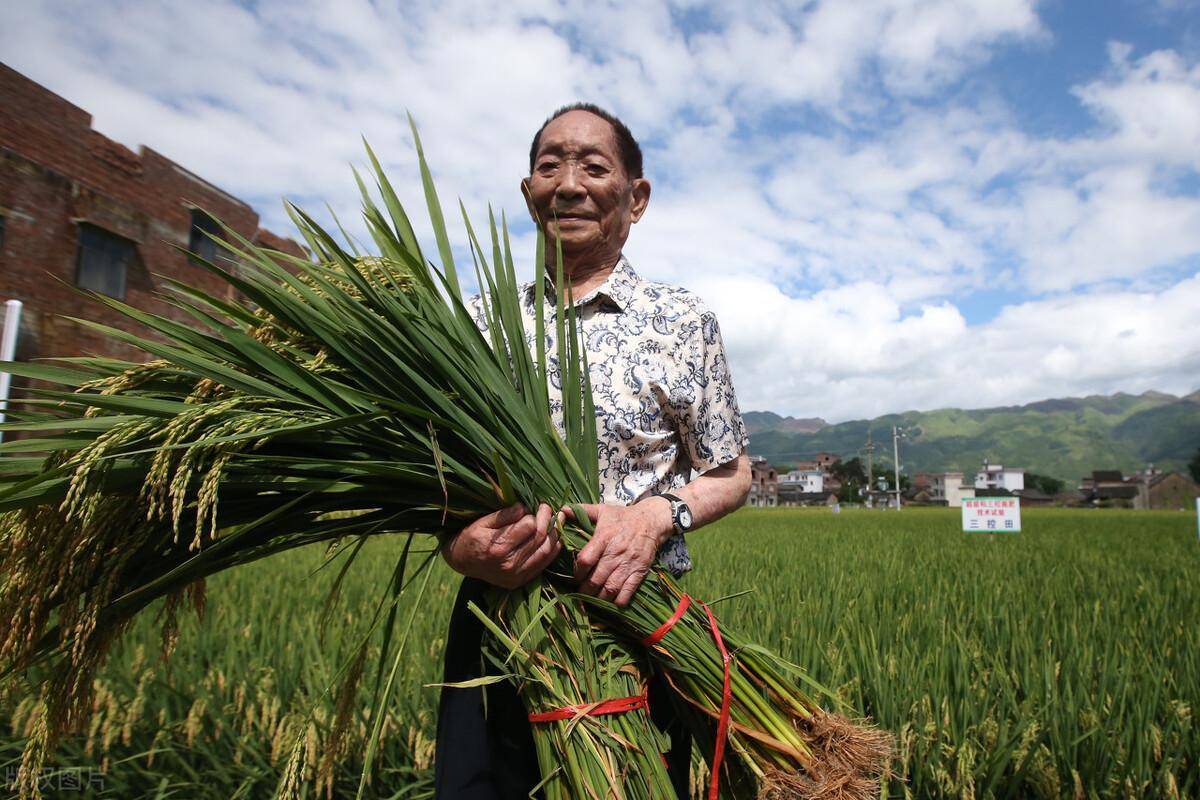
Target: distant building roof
x,y
1107,476
1162,476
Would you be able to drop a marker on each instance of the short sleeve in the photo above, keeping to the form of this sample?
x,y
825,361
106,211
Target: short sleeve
x,y
707,417
474,306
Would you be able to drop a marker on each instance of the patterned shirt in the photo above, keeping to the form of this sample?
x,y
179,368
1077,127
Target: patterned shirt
x,y
665,405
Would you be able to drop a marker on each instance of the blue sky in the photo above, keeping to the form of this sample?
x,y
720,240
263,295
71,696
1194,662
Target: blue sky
x,y
890,204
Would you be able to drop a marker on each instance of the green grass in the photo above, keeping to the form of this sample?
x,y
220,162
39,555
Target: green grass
x,y
1063,661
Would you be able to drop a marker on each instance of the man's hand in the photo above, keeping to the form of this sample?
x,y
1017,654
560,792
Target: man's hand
x,y
507,548
616,560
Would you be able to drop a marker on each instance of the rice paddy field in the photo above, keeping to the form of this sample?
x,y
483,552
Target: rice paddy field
x,y
1061,662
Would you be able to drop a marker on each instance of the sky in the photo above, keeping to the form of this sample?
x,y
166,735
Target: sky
x,y
889,204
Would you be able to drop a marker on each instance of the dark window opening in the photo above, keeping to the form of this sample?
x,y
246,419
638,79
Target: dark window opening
x,y
1,234
200,242
104,260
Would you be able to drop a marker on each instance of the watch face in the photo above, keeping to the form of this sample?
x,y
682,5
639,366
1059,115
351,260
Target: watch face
x,y
685,517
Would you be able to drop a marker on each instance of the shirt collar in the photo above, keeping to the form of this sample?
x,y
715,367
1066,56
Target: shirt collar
x,y
618,288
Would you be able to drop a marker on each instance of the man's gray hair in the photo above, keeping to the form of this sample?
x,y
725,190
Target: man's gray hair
x,y
627,146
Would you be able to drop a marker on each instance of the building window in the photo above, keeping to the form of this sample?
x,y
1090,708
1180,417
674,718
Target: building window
x,y
104,261
200,241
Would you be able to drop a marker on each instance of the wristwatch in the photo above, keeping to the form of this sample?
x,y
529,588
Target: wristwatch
x,y
681,513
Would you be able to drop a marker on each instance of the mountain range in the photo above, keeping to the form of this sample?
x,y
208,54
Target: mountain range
x,y
1065,438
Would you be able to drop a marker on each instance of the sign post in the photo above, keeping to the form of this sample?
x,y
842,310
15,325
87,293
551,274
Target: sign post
x,y
8,349
991,515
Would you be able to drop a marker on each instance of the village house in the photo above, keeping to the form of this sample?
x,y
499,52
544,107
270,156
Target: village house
x,y
1168,491
996,476
1108,487
825,461
764,484
805,480
79,210
804,487
948,488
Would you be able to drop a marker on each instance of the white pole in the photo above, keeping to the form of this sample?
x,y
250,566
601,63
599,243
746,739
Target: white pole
x,y
870,462
8,349
896,461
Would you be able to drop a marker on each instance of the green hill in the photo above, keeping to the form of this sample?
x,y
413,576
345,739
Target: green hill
x,y
770,421
1065,438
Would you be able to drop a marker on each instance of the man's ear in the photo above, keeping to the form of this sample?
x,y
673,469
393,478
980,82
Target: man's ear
x,y
525,191
640,188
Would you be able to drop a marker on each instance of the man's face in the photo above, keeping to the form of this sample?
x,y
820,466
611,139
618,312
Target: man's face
x,y
579,185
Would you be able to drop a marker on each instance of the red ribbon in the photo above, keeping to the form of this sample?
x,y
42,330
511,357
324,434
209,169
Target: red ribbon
x,y
661,631
621,705
723,720
618,705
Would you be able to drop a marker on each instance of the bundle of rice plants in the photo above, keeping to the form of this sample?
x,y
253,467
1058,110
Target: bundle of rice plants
x,y
353,396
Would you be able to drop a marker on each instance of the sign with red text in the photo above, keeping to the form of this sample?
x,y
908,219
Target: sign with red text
x,y
991,514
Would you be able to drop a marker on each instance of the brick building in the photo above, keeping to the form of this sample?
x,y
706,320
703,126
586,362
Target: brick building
x,y
78,209
825,461
764,484
1166,491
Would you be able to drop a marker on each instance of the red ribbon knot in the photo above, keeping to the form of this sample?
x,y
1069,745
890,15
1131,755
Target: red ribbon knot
x,y
617,705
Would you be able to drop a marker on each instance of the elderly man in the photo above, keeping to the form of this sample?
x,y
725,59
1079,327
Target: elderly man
x,y
665,411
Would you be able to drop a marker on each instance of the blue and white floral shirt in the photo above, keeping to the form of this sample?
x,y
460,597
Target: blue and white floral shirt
x,y
665,406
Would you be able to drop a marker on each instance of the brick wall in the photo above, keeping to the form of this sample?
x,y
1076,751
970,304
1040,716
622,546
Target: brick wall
x,y
55,172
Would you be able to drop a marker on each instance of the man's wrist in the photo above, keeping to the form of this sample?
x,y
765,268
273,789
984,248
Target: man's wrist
x,y
664,518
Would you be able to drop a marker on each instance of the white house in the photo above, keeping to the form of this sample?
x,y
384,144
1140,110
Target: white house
x,y
939,482
947,487
807,481
996,476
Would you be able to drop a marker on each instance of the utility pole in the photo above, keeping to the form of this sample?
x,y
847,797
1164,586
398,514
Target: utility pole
x,y
870,460
896,434
870,466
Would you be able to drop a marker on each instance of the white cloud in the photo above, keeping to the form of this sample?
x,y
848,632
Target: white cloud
x,y
1110,224
775,54
852,353
1152,105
